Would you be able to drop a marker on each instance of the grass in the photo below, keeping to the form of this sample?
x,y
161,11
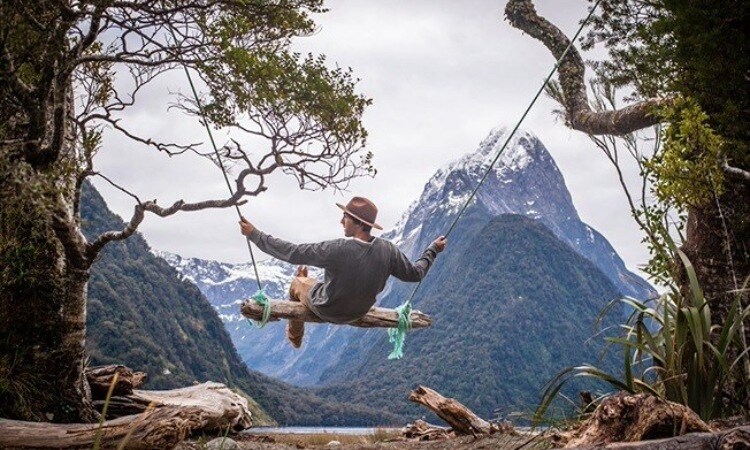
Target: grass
x,y
321,439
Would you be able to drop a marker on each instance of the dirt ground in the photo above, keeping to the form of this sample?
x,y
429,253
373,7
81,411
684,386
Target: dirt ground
x,y
495,442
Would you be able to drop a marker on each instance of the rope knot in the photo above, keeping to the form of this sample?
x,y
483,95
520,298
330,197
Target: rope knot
x,y
397,336
261,299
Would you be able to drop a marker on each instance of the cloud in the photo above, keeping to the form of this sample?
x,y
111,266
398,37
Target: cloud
x,y
442,74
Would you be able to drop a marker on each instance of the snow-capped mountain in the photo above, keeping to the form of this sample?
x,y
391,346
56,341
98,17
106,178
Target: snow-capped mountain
x,y
526,181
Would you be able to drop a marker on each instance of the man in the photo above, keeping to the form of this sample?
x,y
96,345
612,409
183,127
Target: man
x,y
356,269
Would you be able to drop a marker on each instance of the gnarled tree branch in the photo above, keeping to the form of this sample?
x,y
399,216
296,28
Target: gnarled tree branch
x,y
578,113
140,209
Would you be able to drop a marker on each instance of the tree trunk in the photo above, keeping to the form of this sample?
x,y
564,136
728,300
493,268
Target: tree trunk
x,y
221,407
718,245
159,419
423,431
375,317
43,281
100,379
734,439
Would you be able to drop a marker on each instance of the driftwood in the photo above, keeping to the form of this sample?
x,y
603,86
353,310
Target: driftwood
x,y
100,378
221,407
626,417
376,317
161,428
460,418
734,439
165,419
423,431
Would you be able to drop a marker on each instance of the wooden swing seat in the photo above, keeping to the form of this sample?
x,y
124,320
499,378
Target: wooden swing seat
x,y
375,318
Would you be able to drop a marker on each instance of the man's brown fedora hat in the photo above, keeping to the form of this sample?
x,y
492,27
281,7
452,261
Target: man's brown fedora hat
x,y
363,210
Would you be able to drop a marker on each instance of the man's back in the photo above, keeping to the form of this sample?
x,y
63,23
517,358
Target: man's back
x,y
355,271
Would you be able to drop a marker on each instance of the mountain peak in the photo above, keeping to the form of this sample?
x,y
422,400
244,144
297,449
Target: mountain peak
x,y
525,181
521,151
524,159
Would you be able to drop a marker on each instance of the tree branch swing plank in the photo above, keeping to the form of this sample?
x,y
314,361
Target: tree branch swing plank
x,y
375,318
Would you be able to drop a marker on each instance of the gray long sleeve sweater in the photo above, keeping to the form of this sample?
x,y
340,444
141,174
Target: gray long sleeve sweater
x,y
355,271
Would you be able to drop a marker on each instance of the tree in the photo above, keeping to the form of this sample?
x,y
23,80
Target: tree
x,y
686,65
68,69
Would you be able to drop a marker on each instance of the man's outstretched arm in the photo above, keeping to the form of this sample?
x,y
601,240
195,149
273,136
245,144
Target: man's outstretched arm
x,y
405,270
312,254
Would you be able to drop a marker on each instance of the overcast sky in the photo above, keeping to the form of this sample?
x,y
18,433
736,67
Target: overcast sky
x,y
441,73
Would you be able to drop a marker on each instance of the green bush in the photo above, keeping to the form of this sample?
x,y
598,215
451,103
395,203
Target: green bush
x,y
675,350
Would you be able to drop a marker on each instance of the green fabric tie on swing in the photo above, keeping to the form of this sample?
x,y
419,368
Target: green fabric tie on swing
x,y
261,299
397,336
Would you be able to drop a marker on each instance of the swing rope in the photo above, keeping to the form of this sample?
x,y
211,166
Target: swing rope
x,y
397,336
260,296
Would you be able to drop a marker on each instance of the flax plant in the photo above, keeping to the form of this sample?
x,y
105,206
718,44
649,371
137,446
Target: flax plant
x,y
675,351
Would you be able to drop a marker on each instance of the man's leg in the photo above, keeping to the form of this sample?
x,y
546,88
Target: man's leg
x,y
301,285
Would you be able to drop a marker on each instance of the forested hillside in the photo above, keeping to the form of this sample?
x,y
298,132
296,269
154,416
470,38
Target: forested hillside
x,y
141,314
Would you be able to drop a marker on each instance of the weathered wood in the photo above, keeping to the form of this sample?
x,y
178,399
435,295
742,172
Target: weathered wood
x,y
221,407
734,439
423,431
167,417
626,417
161,428
458,416
375,318
100,378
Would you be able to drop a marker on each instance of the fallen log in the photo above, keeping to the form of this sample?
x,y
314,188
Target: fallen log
x,y
734,439
221,407
161,428
158,419
460,418
626,417
100,378
375,318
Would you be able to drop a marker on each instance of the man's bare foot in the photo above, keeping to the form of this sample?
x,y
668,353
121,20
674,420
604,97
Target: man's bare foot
x,y
294,332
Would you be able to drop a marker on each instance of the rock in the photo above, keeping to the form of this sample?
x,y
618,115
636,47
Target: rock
x,y
222,444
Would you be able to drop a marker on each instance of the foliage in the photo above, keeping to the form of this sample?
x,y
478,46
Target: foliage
x,y
676,348
669,352
686,172
695,48
295,103
692,56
